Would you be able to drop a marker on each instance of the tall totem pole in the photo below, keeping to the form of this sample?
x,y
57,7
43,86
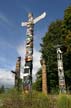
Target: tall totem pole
x,y
62,85
29,49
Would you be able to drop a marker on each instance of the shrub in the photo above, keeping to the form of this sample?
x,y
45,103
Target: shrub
x,y
36,100
62,101
14,99
69,103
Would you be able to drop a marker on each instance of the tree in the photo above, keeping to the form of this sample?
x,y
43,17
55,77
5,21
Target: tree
x,y
2,89
53,37
67,54
67,60
67,18
59,33
37,85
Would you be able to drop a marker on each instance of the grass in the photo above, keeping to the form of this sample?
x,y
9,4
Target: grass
x,y
62,101
14,99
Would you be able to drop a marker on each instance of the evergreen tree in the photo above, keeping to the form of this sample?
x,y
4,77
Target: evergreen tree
x,y
37,85
59,33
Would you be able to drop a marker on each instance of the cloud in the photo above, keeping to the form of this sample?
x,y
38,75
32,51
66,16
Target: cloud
x,y
21,49
5,60
36,58
6,78
4,19
36,61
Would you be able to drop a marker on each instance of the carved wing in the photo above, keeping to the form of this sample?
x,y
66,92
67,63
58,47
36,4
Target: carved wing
x,y
59,51
39,17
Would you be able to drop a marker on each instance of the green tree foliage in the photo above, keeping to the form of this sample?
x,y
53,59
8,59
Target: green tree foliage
x,y
67,54
67,60
37,85
52,38
68,41
59,33
2,89
67,18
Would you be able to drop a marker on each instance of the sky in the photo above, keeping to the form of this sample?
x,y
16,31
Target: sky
x,y
13,36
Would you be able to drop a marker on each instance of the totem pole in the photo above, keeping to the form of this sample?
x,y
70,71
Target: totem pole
x,y
62,85
29,49
44,76
17,73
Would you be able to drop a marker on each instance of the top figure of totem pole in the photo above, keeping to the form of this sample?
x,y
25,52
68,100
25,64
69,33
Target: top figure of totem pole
x,y
29,48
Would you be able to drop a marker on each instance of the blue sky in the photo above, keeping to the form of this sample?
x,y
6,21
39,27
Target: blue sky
x,y
12,35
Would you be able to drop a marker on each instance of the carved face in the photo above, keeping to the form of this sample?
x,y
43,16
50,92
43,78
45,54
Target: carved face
x,y
30,15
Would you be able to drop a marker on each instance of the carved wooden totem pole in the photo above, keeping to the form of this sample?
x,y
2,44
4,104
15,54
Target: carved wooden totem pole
x,y
17,73
29,49
44,77
62,85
